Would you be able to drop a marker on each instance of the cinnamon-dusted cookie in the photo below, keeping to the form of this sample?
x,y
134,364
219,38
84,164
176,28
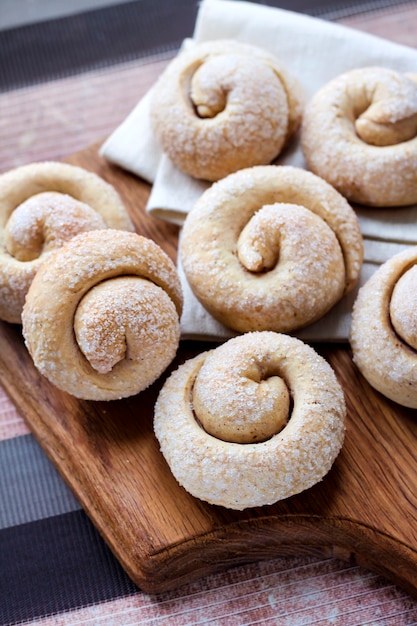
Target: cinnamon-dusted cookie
x,y
271,248
359,132
384,329
224,105
101,318
43,205
254,421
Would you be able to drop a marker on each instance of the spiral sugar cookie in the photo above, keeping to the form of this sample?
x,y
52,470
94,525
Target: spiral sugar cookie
x,y
222,106
384,329
43,205
359,132
101,318
271,248
254,421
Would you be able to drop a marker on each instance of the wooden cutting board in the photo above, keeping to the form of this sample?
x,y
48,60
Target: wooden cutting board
x,y
365,510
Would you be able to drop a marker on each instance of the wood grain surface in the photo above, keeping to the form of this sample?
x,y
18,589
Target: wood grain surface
x,y
365,510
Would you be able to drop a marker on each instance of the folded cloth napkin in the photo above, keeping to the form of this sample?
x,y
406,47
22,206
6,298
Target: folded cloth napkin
x,y
312,50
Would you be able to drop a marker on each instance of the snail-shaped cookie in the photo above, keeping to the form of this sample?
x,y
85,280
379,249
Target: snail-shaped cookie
x,y
271,248
254,421
222,106
42,205
101,318
384,329
359,133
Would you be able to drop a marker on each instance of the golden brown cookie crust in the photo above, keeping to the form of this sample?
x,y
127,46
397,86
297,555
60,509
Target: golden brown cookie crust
x,y
384,331
119,295
241,475
271,248
42,205
359,132
222,106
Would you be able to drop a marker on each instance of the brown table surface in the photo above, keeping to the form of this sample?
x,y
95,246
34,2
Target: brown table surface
x,y
56,119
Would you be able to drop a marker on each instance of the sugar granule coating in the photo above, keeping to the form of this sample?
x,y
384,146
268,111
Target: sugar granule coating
x,y
44,222
359,132
242,475
383,333
119,294
271,248
261,399
43,205
222,106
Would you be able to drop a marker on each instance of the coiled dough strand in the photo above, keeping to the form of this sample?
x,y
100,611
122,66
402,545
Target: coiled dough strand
x,y
359,132
222,106
43,205
271,248
243,373
101,318
384,329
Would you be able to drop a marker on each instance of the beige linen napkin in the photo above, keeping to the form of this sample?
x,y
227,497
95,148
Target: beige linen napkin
x,y
314,51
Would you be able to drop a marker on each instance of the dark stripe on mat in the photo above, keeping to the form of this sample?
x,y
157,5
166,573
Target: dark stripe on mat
x,y
56,565
142,29
30,486
93,39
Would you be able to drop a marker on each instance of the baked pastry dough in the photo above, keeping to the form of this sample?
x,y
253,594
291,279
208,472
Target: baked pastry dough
x,y
42,205
359,132
258,419
271,248
223,105
101,318
384,329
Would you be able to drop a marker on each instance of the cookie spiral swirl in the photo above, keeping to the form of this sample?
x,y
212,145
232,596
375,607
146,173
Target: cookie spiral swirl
x,y
384,329
359,132
43,205
271,248
222,106
254,421
101,318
